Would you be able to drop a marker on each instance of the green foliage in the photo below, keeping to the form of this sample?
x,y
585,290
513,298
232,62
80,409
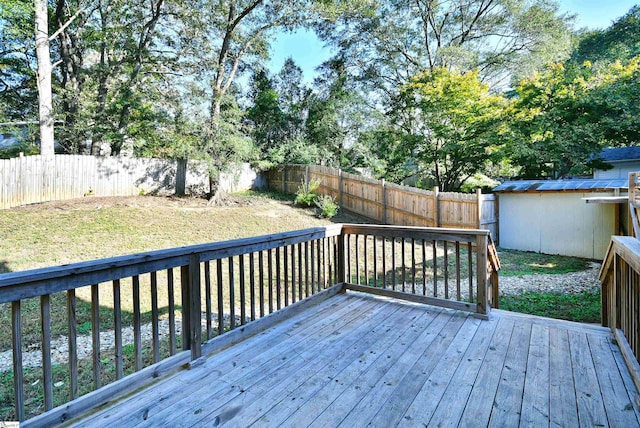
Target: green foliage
x,y
327,206
307,195
565,114
451,125
579,307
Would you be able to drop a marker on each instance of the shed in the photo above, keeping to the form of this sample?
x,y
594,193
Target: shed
x,y
622,159
553,216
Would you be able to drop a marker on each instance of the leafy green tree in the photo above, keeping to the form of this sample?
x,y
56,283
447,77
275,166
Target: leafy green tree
x,y
450,123
563,116
621,41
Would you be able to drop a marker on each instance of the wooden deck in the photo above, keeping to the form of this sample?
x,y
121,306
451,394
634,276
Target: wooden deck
x,y
356,360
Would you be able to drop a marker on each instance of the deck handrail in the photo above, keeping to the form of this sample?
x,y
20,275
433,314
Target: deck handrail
x,y
235,281
620,279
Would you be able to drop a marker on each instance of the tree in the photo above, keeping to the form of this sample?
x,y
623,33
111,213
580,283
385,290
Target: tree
x,y
619,42
45,92
563,116
450,123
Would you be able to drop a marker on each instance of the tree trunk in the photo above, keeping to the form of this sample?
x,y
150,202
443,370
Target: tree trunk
x,y
45,98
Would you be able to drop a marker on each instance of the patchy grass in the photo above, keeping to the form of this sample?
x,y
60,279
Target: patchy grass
x,y
580,307
517,263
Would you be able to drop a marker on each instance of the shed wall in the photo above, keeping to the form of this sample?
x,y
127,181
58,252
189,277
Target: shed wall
x,y
621,169
556,223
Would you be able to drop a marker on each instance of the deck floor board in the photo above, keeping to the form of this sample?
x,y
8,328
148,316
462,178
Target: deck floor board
x,y
357,360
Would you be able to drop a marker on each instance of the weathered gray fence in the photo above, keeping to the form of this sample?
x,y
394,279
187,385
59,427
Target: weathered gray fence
x,y
33,179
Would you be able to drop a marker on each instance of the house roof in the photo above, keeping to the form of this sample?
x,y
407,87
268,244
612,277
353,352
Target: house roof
x,y
586,185
620,154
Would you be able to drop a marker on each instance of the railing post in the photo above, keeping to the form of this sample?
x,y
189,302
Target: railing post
x,y
195,327
481,274
191,328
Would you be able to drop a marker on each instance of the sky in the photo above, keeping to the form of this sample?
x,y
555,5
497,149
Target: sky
x,y
309,52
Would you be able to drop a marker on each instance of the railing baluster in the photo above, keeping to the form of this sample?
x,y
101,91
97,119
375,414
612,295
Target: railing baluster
x,y
470,261
137,323
47,374
349,275
375,261
306,268
261,281
300,277
172,313
232,295
458,270
434,248
154,317
393,263
18,378
278,280
384,262
285,260
293,274
270,277
445,246
413,265
73,345
404,268
366,258
243,297
252,286
207,297
95,336
357,259
314,289
117,328
219,284
319,264
424,268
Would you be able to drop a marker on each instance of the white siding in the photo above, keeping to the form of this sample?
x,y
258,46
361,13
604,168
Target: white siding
x,y
556,223
620,170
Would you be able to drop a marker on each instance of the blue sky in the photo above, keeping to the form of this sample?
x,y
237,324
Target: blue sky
x,y
308,52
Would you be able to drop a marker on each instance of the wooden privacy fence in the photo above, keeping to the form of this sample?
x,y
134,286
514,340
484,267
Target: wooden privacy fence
x,y
389,203
200,298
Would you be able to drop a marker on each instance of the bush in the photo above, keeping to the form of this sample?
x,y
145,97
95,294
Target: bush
x,y
327,207
306,196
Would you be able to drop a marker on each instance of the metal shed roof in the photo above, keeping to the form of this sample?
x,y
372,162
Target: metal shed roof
x,y
561,185
618,154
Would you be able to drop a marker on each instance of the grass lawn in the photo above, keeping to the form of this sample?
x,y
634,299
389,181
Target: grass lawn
x,y
517,263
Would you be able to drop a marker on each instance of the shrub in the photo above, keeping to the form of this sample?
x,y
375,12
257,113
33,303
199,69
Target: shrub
x,y
327,207
306,196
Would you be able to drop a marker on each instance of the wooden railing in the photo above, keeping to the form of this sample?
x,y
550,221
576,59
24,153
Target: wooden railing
x,y
454,268
188,297
620,278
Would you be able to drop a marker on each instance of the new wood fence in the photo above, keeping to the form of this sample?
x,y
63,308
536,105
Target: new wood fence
x,y
389,203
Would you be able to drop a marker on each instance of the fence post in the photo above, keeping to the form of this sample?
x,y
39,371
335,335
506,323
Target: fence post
x,y
436,205
340,188
383,185
479,202
284,179
306,178
481,274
